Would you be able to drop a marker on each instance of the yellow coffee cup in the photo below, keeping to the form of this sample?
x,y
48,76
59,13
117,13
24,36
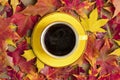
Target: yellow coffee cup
x,y
58,39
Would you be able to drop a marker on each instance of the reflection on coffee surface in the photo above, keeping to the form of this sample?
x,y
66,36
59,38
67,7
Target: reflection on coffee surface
x,y
59,39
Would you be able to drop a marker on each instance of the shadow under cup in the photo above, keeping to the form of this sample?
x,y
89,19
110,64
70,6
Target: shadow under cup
x,y
59,39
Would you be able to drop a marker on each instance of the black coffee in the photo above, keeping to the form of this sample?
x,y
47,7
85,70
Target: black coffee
x,y
59,39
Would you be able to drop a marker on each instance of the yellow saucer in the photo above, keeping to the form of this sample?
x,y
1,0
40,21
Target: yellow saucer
x,y
37,46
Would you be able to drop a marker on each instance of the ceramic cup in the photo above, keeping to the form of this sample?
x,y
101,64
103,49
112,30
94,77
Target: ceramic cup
x,y
59,39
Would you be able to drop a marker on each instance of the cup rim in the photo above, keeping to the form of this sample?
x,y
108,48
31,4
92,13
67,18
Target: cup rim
x,y
43,43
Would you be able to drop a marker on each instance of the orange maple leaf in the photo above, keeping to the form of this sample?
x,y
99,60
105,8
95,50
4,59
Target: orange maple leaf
x,y
116,4
42,7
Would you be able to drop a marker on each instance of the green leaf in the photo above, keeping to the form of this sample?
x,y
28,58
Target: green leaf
x,y
28,54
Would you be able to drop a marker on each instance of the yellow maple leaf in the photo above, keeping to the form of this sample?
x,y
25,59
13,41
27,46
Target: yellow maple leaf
x,y
118,42
13,27
39,65
3,2
10,42
14,4
28,39
28,54
116,52
92,23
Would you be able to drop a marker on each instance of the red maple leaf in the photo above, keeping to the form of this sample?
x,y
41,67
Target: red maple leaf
x,y
75,6
13,74
20,61
24,23
57,73
5,33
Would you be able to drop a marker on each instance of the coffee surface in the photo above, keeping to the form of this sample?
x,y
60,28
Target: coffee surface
x,y
59,39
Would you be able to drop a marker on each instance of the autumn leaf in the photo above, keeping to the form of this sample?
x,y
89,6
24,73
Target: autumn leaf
x,y
28,55
5,33
39,65
28,2
28,39
57,73
42,7
106,47
14,74
112,76
117,41
3,2
92,23
75,6
116,52
116,32
35,76
14,4
10,42
99,4
107,62
116,4
24,23
91,53
18,60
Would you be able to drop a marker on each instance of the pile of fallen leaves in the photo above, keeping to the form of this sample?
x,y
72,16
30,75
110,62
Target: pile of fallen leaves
x,y
101,20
